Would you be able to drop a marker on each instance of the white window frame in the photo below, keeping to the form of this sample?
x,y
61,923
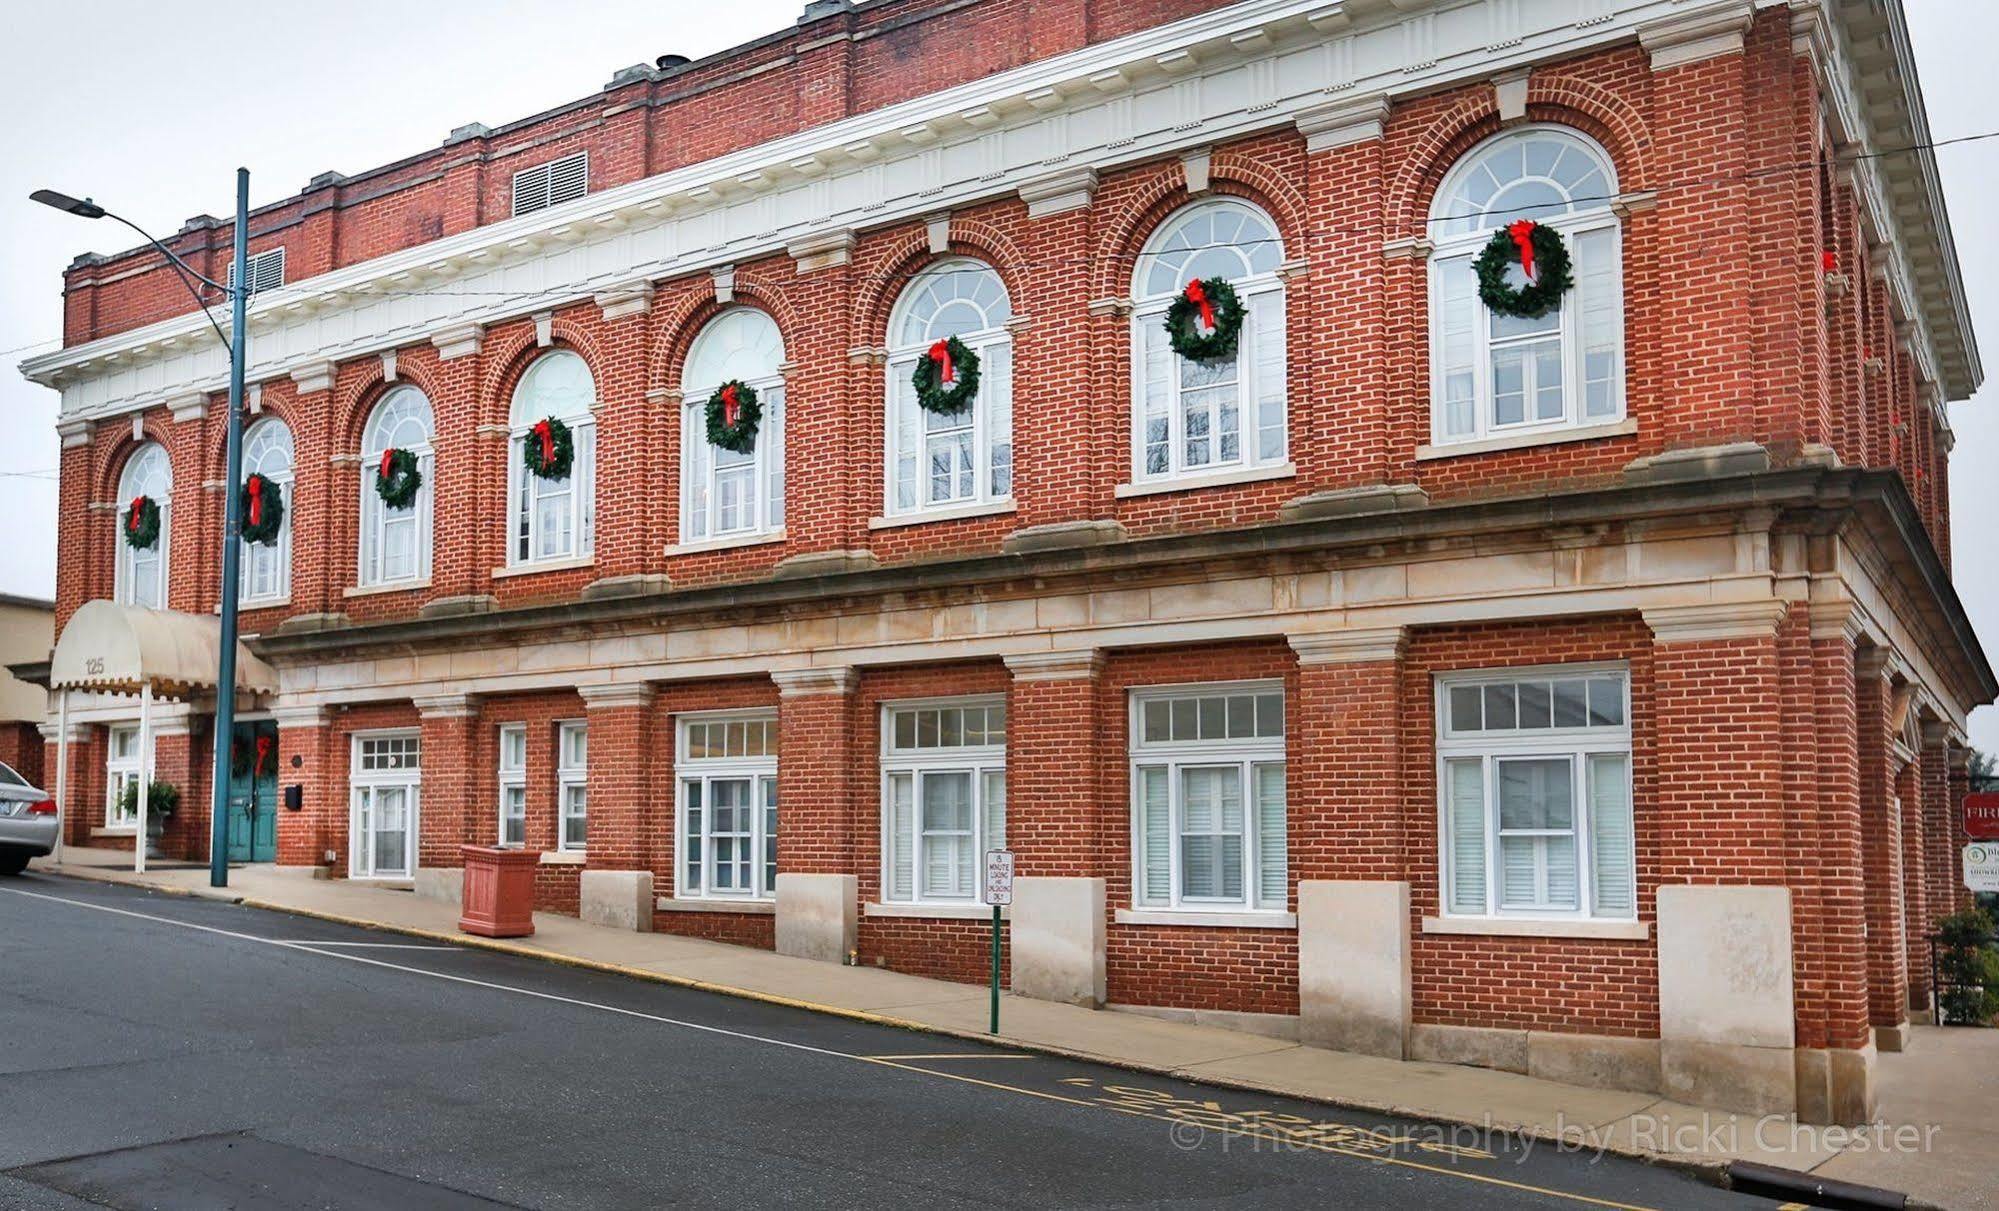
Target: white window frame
x,y
572,782
375,519
525,490
118,771
760,771
1595,217
279,553
360,781
547,172
1574,744
977,762
982,418
1256,292
767,476
126,573
1246,756
513,780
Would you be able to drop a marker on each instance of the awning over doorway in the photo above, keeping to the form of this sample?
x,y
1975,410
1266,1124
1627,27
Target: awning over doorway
x,y
119,648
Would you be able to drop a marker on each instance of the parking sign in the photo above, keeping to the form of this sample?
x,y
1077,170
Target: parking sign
x,y
999,876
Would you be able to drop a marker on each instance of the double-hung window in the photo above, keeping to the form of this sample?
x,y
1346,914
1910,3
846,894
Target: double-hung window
x,y
395,542
513,765
386,786
142,572
572,784
726,494
1493,375
943,797
727,767
1200,418
1207,785
266,575
553,519
950,460
1534,793
122,767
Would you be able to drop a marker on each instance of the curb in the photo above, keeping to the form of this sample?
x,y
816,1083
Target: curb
x,y
1714,1172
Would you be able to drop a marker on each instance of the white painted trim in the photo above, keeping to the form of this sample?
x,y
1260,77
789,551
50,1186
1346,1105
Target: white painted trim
x,y
547,565
1525,441
992,508
1221,920
730,543
1537,927
1213,479
394,586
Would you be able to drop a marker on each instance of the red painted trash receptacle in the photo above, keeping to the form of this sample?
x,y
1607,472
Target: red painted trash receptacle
x,y
499,891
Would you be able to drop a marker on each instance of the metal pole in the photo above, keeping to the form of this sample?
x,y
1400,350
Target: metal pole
x,y
62,769
994,1028
232,528
145,775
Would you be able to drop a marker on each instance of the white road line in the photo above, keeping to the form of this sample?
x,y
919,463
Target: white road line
x,y
377,945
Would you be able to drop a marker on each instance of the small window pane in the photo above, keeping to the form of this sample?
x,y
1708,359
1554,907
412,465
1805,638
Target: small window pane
x,y
1465,701
1185,719
1534,704
1499,710
1570,707
1606,701
1214,718
1536,795
1242,716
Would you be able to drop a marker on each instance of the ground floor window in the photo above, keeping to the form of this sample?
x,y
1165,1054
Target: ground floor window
x,y
121,769
385,787
726,766
572,784
1208,799
1534,793
943,797
513,769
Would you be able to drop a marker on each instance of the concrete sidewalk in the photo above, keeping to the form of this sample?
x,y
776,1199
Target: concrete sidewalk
x,y
1939,1100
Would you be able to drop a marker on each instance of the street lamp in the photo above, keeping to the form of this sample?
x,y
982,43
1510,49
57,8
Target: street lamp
x,y
238,291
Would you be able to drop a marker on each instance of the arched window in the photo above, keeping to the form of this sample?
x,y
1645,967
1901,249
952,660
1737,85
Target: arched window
x,y
142,575
726,495
1494,375
266,571
553,519
1196,419
939,461
395,543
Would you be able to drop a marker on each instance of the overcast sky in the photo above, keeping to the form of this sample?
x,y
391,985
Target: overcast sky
x,y
128,101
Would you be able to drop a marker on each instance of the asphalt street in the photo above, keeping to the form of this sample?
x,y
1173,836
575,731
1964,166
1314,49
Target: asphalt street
x,y
164,1052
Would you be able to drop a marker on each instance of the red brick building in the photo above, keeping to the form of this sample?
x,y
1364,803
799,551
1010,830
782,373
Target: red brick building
x,y
1581,694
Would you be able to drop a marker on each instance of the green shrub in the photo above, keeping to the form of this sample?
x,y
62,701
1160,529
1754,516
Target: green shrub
x,y
161,800
1967,968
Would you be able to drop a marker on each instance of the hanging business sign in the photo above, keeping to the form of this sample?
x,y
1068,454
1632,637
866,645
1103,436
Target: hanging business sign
x,y
1981,815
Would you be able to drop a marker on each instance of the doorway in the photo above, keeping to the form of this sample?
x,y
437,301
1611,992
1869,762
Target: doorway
x,y
253,792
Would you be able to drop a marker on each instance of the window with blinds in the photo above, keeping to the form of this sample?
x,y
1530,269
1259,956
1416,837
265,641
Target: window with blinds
x,y
1208,802
551,184
943,798
1534,789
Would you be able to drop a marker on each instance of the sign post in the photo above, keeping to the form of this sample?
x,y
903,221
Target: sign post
x,y
999,891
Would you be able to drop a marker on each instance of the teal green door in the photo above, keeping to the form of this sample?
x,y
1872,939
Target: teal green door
x,y
253,793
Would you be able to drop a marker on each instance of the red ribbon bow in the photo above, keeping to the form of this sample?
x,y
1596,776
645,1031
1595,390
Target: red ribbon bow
x,y
941,354
263,751
132,513
546,432
732,407
256,487
388,459
1827,261
1199,298
1522,233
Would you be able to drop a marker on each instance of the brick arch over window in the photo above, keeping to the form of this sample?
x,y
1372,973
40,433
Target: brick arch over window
x,y
1128,228
116,454
678,330
215,447
883,283
514,352
358,399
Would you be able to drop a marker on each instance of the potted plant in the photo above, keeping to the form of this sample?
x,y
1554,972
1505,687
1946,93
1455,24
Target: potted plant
x,y
161,800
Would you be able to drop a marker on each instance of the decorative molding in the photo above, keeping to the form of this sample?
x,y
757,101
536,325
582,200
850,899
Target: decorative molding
x,y
253,399
632,298
1717,620
1070,189
389,366
191,406
724,277
1509,95
314,377
459,340
1344,123
1356,646
1119,307
1056,666
1408,248
294,716
74,433
447,706
544,329
827,250
1194,168
615,695
937,230
1638,201
867,355
805,683
1691,37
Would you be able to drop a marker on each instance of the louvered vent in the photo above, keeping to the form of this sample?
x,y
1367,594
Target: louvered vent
x,y
548,184
267,270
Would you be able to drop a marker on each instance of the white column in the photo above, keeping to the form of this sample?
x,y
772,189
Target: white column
x,y
62,769
145,774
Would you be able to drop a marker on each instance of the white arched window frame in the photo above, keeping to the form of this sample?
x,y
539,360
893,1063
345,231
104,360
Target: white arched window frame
x,y
142,575
1494,376
1193,420
266,571
395,543
726,496
553,519
938,463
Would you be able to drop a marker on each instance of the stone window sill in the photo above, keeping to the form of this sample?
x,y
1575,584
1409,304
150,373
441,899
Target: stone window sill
x,y
730,543
262,603
116,830
1212,920
562,857
546,565
991,508
1527,441
397,586
935,912
1213,479
762,908
1530,927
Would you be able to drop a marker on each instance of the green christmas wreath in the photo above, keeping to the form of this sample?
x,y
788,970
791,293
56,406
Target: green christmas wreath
x,y
397,478
1205,322
947,377
1543,259
263,506
142,523
549,450
733,413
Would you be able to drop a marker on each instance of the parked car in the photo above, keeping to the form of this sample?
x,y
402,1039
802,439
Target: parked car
x,y
27,822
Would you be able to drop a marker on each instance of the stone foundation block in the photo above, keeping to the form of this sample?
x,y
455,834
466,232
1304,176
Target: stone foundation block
x,y
1476,1046
1728,1076
442,883
1726,1024
1596,1060
1056,932
620,899
1354,966
818,916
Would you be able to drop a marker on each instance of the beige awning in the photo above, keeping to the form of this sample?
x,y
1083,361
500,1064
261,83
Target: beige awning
x,y
118,648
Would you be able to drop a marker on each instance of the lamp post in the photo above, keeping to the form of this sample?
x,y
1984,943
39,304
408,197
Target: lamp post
x,y
238,291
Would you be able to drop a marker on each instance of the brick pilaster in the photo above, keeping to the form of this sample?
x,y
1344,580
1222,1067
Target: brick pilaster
x,y
1343,793
446,815
1940,858
815,728
1915,876
1959,786
1053,807
306,836
1841,937
631,817
1881,842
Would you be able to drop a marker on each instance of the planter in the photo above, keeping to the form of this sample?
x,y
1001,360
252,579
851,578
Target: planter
x,y
156,828
499,891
